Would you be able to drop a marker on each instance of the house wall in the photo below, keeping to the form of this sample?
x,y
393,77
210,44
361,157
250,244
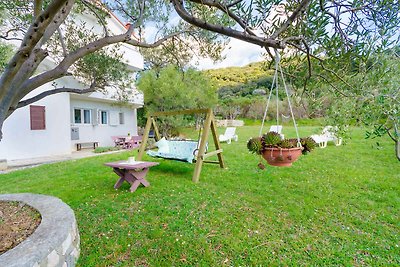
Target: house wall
x,y
95,132
130,54
20,142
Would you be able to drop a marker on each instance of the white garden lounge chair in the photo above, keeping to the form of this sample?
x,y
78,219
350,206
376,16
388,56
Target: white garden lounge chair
x,y
228,135
277,129
321,140
328,134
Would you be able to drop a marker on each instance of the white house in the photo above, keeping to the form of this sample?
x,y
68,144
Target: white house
x,y
55,124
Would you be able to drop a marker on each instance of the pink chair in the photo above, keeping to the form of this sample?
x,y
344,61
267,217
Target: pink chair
x,y
137,139
134,142
118,141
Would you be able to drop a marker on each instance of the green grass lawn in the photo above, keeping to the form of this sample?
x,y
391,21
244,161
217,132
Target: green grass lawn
x,y
336,206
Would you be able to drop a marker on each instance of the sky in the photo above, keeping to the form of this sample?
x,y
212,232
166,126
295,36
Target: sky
x,y
237,53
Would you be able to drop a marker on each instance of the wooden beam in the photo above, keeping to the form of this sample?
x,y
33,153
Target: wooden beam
x,y
202,148
216,142
211,161
212,153
156,132
179,112
145,138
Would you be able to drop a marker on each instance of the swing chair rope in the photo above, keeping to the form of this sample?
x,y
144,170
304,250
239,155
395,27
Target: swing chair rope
x,y
266,109
290,107
275,82
277,62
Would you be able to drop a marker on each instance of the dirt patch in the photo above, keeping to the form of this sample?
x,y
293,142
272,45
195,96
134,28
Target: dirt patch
x,y
17,222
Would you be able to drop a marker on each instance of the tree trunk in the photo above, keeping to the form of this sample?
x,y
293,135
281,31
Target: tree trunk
x,y
397,148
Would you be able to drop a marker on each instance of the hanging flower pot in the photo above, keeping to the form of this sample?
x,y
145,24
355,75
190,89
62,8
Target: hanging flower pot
x,y
282,157
280,152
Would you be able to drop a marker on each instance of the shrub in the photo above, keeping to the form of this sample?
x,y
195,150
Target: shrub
x,y
105,149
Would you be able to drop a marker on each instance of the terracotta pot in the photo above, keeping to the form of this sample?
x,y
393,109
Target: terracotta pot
x,y
281,157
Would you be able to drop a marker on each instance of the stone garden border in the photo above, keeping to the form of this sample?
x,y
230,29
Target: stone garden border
x,y
56,240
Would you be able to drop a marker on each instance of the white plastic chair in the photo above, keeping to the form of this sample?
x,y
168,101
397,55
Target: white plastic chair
x,y
321,140
228,135
277,129
328,134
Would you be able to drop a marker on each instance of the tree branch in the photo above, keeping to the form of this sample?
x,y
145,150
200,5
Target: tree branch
x,y
26,102
61,15
5,35
303,4
32,37
233,4
261,41
321,63
62,68
103,23
332,85
390,134
158,42
225,9
62,41
37,8
336,20
138,20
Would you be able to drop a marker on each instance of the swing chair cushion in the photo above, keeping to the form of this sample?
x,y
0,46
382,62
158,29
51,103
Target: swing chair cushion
x,y
179,150
162,145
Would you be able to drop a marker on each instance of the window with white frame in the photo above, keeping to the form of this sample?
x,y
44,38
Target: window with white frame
x,y
77,115
121,118
103,117
82,116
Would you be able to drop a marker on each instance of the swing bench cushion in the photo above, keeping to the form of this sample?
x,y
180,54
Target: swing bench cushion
x,y
162,145
184,150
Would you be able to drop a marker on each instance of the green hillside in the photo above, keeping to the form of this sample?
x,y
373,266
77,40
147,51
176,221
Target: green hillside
x,y
233,76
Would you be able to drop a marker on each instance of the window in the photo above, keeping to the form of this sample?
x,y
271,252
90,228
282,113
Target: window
x,y
121,118
104,117
84,114
77,116
38,117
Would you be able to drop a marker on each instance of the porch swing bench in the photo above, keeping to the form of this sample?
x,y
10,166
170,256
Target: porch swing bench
x,y
182,150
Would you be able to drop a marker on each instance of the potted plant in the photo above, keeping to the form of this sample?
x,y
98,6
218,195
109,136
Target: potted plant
x,y
277,151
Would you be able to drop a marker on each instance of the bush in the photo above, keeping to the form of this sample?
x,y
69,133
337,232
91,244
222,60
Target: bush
x,y
105,149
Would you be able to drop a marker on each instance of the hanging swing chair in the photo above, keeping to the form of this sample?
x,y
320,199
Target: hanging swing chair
x,y
278,156
191,151
185,150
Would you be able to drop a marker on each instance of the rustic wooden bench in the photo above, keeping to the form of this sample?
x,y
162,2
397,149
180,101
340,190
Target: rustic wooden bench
x,y
86,144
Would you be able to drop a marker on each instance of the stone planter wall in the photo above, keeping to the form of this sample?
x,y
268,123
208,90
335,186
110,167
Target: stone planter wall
x,y
55,243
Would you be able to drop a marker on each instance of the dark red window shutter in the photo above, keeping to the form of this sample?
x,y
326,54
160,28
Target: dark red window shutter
x,y
38,117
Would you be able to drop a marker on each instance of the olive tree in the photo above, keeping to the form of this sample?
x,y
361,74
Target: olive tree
x,y
322,31
173,89
45,28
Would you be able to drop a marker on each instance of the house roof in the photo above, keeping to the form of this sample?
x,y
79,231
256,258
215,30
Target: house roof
x,y
101,5
102,98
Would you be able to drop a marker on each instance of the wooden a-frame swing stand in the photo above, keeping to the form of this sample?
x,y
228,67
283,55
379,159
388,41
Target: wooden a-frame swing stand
x,y
209,124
